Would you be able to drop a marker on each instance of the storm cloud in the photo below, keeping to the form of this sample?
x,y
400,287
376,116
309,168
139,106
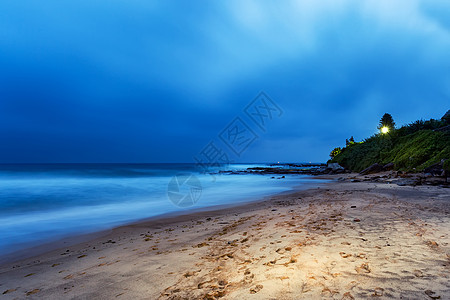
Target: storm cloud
x,y
155,81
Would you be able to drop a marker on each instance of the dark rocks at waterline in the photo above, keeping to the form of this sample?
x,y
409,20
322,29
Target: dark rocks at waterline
x,y
276,171
319,169
302,165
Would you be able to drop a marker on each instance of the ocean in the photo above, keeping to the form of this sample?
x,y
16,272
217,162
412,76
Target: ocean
x,y
41,203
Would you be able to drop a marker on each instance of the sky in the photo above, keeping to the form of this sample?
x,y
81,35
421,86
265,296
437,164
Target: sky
x,y
160,80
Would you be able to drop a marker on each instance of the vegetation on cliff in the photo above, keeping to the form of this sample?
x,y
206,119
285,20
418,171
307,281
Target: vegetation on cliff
x,y
412,147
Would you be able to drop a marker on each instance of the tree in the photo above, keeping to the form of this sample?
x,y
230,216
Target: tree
x,y
349,142
386,122
335,152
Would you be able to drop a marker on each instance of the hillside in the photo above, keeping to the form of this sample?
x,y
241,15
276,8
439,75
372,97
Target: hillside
x,y
412,147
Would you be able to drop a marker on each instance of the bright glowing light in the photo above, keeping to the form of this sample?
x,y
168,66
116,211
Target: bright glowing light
x,y
384,129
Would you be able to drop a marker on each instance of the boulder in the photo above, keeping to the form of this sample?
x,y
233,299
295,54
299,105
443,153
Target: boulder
x,y
436,169
388,167
375,168
335,168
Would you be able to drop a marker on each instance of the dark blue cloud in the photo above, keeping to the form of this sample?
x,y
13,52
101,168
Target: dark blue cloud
x,y
155,81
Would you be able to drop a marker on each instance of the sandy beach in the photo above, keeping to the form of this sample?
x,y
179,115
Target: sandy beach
x,y
343,240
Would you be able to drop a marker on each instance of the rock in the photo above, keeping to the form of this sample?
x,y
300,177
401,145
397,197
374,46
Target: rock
x,y
436,169
435,181
388,167
335,167
375,168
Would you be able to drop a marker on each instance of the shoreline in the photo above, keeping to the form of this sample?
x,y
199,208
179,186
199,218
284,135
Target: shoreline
x,y
346,240
165,218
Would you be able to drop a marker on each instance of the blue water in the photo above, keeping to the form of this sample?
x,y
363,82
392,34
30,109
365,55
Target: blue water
x,y
43,203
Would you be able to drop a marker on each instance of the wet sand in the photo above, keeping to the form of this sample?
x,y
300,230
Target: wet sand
x,y
345,240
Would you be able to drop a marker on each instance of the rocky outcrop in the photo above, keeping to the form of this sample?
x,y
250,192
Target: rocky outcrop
x,y
307,169
401,179
388,167
284,169
436,169
375,168
334,168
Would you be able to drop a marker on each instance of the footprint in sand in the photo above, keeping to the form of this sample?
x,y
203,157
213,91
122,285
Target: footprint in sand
x,y
348,296
378,292
256,289
280,251
364,268
432,244
9,291
33,292
345,255
431,294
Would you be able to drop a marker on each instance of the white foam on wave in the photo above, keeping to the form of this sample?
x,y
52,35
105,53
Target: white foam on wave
x,y
49,208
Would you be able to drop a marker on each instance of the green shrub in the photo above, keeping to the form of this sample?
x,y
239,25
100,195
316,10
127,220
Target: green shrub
x,y
419,125
408,152
335,152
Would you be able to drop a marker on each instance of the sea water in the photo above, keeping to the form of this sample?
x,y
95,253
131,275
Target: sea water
x,y
40,203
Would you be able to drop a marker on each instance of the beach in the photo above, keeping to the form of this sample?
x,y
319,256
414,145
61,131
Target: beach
x,y
341,240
